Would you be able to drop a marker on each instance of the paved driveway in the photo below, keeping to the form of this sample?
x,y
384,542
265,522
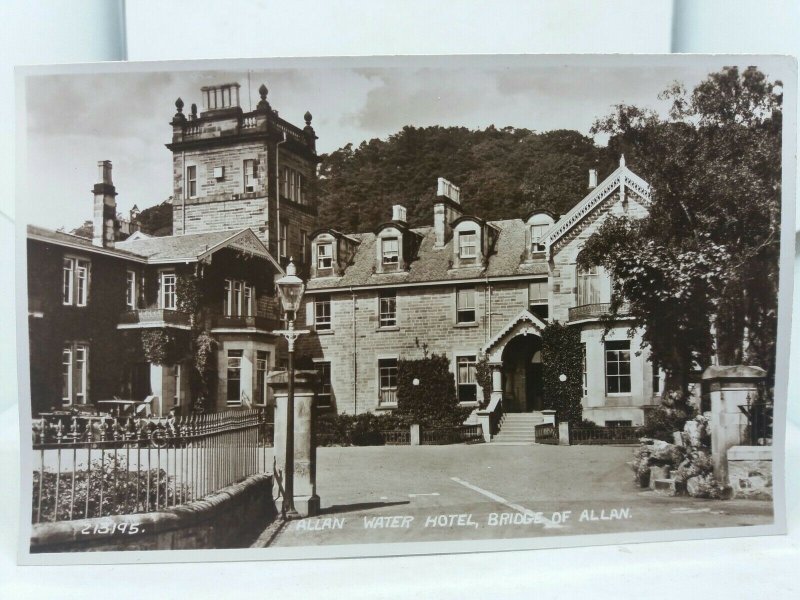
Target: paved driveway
x,y
482,491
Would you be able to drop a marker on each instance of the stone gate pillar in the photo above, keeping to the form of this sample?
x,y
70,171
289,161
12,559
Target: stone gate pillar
x,y
729,388
306,500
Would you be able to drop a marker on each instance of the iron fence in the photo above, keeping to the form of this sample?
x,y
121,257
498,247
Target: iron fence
x,y
396,437
108,466
451,435
758,429
604,435
546,433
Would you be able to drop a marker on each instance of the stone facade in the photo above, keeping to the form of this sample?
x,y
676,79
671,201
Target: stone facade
x,y
510,267
235,169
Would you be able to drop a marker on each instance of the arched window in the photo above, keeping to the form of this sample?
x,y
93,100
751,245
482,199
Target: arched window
x,y
538,224
594,286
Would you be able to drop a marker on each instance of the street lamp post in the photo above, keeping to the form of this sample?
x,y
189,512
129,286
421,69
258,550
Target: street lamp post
x,y
290,289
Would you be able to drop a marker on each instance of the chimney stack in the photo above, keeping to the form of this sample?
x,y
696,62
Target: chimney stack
x,y
446,209
399,213
104,221
592,178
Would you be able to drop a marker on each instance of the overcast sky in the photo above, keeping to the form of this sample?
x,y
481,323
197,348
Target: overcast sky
x,y
75,120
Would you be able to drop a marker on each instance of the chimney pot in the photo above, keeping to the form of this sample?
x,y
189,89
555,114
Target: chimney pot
x,y
446,209
104,221
399,213
592,178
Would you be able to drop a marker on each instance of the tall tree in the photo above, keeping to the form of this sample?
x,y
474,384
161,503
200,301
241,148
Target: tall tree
x,y
700,273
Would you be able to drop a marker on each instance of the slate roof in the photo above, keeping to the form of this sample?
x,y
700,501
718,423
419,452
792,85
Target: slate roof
x,y
176,247
173,248
68,239
433,264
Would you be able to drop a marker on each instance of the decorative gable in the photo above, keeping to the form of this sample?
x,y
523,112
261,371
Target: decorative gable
x,y
616,188
525,323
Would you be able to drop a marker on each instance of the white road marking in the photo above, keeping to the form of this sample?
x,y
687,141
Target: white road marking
x,y
548,524
689,511
428,494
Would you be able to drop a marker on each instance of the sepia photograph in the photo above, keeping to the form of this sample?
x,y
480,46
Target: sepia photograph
x,y
379,306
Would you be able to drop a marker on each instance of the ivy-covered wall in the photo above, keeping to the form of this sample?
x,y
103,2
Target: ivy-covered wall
x,y
562,365
94,324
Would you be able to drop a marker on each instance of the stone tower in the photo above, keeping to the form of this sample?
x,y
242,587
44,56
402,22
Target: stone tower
x,y
235,169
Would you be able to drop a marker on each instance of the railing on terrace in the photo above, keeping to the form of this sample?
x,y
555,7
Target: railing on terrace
x,y
451,435
258,322
396,437
594,311
546,433
154,317
291,131
603,435
104,466
758,429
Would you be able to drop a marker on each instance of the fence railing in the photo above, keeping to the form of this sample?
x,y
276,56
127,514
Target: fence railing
x,y
758,429
546,433
105,467
396,437
451,435
603,435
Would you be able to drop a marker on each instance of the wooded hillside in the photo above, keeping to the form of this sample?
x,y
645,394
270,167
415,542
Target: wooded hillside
x,y
503,173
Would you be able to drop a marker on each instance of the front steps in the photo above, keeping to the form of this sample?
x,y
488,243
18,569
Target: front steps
x,y
518,428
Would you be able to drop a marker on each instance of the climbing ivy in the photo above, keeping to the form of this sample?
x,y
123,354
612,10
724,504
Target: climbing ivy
x,y
562,354
483,375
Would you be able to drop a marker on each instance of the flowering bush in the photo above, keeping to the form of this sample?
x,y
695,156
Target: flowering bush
x,y
669,417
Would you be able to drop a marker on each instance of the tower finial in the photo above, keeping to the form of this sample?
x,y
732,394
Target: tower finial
x,y
308,117
179,117
263,104
621,160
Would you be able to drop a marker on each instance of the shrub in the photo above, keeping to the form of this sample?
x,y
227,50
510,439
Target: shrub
x,y
669,417
356,430
122,491
433,401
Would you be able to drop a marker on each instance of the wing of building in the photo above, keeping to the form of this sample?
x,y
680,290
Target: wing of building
x,y
466,287
123,315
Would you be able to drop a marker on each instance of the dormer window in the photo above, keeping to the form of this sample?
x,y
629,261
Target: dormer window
x,y
537,233
324,256
390,251
467,244
539,222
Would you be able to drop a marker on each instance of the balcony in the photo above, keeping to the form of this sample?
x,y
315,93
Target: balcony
x,y
145,318
594,311
241,323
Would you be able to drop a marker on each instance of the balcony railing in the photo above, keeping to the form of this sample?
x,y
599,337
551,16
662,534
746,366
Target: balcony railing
x,y
154,317
259,323
594,311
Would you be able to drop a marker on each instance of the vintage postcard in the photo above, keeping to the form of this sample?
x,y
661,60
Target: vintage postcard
x,y
295,308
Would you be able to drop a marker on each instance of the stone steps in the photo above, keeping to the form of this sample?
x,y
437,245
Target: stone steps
x,y
518,428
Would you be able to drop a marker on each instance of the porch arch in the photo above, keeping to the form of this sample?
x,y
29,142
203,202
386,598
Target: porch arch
x,y
520,327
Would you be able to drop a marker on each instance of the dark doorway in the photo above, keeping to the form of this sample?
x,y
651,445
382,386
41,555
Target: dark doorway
x,y
522,374
140,381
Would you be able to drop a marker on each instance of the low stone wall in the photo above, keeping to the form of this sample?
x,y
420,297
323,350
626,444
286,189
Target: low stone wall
x,y
750,471
230,518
